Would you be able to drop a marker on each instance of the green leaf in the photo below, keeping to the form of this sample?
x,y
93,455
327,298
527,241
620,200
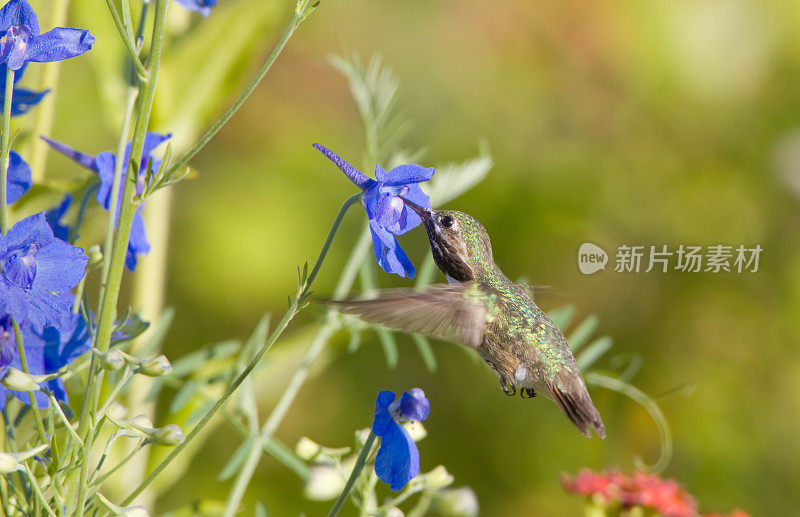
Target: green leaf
x,y
562,316
593,352
159,332
389,345
192,361
261,510
237,459
581,334
132,328
183,396
454,179
426,351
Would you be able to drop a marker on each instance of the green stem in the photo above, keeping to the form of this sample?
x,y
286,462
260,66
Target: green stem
x,y
24,361
357,468
130,103
38,491
298,378
126,34
43,121
300,13
121,237
287,317
4,149
119,465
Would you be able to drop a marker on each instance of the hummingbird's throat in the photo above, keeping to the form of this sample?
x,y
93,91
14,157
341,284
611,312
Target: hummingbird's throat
x,y
449,256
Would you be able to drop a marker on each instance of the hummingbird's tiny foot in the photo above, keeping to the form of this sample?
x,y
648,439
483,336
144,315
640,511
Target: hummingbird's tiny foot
x,y
508,387
527,393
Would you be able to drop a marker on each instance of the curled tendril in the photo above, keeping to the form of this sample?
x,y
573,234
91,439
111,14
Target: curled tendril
x,y
650,405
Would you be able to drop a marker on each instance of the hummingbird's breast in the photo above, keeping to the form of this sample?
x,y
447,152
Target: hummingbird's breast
x,y
521,343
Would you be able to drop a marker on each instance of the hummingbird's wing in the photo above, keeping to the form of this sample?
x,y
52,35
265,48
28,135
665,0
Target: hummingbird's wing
x,y
448,312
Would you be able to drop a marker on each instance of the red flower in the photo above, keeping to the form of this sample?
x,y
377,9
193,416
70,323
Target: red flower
x,y
665,496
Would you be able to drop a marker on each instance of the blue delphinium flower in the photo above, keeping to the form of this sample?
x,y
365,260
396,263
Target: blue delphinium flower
x,y
201,6
388,215
103,164
47,351
53,218
21,41
23,99
37,272
397,461
19,179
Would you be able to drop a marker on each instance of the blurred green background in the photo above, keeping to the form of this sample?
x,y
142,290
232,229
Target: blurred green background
x,y
638,123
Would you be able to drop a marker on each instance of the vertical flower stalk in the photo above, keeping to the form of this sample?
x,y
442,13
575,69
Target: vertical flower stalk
x,y
117,254
5,145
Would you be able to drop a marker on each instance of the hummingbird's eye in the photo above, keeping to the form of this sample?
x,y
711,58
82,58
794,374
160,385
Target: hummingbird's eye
x,y
446,221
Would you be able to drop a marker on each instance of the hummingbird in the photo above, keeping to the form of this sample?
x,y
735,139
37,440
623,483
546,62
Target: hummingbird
x,y
481,308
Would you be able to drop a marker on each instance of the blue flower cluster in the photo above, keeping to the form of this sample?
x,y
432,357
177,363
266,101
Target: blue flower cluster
x,y
383,202
103,165
38,267
397,461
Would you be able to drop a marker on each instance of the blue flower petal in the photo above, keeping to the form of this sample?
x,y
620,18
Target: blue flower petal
x,y
84,159
356,176
47,351
59,44
19,179
29,248
201,6
382,417
23,100
397,461
388,253
138,244
414,405
404,174
60,266
53,218
18,12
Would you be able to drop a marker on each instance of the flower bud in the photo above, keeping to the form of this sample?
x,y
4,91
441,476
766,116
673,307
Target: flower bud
x,y
16,380
361,436
438,478
457,502
126,511
170,435
8,463
116,410
415,430
394,512
324,483
113,360
95,255
306,448
155,367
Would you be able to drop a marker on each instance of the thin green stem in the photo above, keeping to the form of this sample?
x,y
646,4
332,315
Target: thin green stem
x,y
300,13
38,491
5,148
259,355
130,102
126,34
300,375
24,361
357,468
650,405
119,465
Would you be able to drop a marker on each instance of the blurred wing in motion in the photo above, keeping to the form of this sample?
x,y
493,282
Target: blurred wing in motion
x,y
449,312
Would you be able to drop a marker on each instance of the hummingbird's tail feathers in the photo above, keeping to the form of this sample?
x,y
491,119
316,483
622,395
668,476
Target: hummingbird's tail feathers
x,y
578,406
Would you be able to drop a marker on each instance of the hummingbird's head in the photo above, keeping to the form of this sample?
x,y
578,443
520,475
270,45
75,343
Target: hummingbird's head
x,y
459,244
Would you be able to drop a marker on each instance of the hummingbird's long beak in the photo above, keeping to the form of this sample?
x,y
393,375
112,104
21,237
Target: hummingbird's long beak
x,y
424,213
